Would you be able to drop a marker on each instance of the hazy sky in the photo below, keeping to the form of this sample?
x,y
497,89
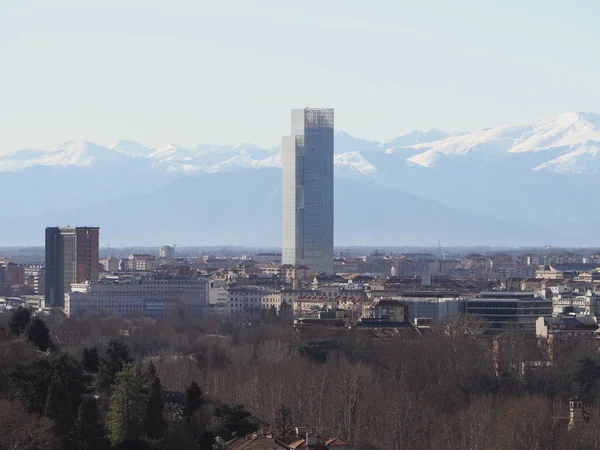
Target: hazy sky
x,y
229,71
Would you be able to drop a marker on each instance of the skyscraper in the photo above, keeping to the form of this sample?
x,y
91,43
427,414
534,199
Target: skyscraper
x,y
72,256
308,190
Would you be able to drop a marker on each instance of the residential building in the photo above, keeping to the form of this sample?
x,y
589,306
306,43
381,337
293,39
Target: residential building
x,y
564,326
308,190
167,252
111,264
35,277
311,441
153,296
142,263
509,310
252,300
260,440
72,256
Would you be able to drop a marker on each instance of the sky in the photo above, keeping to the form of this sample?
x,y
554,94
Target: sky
x,y
229,71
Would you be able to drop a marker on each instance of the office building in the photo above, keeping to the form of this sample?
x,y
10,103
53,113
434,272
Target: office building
x,y
152,296
308,190
72,256
506,311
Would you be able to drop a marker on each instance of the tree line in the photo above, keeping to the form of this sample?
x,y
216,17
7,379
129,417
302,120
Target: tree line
x,y
101,382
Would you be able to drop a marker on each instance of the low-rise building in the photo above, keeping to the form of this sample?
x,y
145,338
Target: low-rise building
x,y
142,263
153,296
111,264
505,311
252,300
561,327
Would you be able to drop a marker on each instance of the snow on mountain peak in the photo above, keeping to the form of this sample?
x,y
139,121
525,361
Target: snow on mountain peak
x,y
563,143
570,133
356,162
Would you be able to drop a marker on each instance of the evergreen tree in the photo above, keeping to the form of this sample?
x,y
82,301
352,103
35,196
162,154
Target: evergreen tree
x,y
194,399
58,406
234,419
155,423
19,320
127,407
90,359
38,333
89,433
117,355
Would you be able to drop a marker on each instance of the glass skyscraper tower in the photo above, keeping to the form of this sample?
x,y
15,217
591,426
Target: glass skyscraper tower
x,y
308,190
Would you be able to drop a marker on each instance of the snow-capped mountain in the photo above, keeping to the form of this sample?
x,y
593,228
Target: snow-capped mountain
x,y
569,142
511,184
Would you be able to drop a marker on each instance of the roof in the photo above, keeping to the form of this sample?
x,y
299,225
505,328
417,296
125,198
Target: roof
x,y
255,441
302,444
335,442
572,322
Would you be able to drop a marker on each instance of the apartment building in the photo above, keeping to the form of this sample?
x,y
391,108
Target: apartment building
x,y
252,300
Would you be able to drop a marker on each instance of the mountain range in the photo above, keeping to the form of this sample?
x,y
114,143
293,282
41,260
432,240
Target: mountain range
x,y
524,184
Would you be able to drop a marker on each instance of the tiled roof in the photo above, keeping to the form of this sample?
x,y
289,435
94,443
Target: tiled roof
x,y
335,441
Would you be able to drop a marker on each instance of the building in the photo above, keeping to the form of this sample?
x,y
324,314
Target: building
x,y
252,300
308,190
72,256
506,311
35,278
387,308
431,305
152,296
310,441
167,252
561,327
260,440
142,263
111,264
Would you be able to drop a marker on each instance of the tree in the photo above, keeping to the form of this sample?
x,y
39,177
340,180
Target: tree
x,y
194,400
234,419
38,333
585,379
155,423
20,430
284,424
89,433
19,320
58,406
90,360
31,382
127,407
117,355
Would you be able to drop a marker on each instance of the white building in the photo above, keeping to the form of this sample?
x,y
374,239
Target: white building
x,y
151,296
252,300
142,263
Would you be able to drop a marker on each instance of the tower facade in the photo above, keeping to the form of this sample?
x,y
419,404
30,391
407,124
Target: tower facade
x,y
308,190
72,256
